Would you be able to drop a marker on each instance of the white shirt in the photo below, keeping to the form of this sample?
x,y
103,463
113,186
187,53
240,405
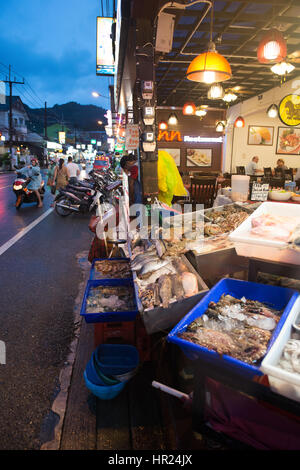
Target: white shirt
x,y
72,169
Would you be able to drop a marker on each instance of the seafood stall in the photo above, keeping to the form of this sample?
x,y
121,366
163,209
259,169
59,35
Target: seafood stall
x,y
171,281
166,284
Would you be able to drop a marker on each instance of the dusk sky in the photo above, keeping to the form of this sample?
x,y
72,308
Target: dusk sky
x,y
52,44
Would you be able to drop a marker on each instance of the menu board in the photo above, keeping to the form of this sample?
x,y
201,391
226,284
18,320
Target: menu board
x,y
259,192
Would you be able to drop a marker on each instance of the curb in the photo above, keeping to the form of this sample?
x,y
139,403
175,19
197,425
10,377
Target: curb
x,y
59,405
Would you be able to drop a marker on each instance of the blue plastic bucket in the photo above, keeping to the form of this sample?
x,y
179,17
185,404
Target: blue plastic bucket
x,y
104,392
116,359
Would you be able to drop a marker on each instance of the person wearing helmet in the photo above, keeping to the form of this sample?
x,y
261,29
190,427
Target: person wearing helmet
x,y
33,172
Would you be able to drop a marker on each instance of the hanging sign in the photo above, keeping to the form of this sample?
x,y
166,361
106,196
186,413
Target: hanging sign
x,y
259,191
62,137
105,59
289,110
132,136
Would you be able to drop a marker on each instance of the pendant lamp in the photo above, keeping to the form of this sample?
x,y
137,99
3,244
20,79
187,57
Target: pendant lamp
x,y
189,109
272,47
239,122
272,111
200,112
210,66
220,126
172,120
215,92
229,97
163,126
282,68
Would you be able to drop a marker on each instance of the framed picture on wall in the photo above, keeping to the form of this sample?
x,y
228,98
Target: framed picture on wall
x,y
288,141
260,135
198,157
175,153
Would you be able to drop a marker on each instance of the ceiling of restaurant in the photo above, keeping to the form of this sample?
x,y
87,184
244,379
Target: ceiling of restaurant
x,y
238,27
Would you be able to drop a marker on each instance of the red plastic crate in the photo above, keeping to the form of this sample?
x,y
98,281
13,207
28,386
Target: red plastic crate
x,y
114,332
142,341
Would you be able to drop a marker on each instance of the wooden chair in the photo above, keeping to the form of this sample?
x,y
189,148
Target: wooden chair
x,y
203,191
268,172
278,172
274,182
240,170
289,174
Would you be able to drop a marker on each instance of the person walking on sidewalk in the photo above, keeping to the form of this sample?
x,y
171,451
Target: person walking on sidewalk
x,y
60,177
73,171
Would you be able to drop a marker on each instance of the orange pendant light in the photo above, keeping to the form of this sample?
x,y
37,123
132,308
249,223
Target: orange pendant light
x,y
239,122
162,126
209,67
272,47
188,109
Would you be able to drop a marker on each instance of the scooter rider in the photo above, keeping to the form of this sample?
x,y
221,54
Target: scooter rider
x,y
33,172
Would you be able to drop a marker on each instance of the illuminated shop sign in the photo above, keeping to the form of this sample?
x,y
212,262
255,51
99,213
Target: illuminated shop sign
x,y
199,139
105,59
176,136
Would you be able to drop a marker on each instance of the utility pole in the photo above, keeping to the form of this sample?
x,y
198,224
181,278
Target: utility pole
x,y
11,82
45,121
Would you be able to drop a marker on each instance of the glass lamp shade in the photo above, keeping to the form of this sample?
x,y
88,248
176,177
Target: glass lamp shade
x,y
163,126
189,109
272,111
200,112
209,67
239,122
282,68
216,92
172,119
229,97
220,126
272,47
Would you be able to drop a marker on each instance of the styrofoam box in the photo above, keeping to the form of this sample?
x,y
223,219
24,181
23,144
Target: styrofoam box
x,y
281,381
254,247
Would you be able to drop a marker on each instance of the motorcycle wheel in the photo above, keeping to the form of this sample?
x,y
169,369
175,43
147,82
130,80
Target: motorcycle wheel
x,y
19,202
62,211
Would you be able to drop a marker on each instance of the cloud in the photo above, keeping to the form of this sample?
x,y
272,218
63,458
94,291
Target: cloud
x,y
53,46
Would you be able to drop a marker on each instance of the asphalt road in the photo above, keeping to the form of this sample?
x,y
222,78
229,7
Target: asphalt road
x,y
39,281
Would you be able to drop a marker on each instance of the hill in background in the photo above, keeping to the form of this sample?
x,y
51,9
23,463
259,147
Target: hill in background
x,y
72,115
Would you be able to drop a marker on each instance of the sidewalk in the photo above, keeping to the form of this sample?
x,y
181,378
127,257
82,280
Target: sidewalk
x,y
140,418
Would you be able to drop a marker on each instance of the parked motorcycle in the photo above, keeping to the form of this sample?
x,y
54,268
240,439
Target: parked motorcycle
x,y
23,194
81,199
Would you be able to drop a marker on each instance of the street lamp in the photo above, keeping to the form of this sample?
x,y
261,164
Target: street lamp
x,y
100,122
95,94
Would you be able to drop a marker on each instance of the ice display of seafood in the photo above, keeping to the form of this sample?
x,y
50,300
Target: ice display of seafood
x,y
227,219
274,227
240,328
290,358
110,299
109,269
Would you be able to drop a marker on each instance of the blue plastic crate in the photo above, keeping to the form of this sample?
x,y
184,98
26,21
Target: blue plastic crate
x,y
277,297
103,317
93,272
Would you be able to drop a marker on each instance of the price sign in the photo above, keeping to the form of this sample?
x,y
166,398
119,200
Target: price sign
x,y
259,192
132,137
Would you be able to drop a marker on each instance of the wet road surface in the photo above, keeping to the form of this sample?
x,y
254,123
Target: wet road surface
x,y
39,279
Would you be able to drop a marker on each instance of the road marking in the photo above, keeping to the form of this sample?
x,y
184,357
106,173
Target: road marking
x,y
23,232
5,186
